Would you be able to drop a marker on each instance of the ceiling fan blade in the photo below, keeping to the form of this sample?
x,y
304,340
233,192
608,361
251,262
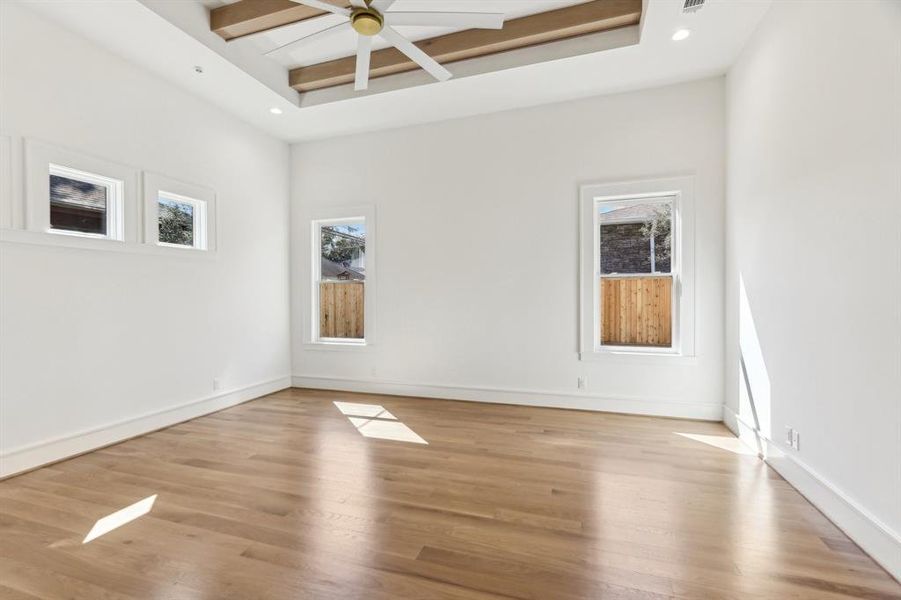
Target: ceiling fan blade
x,y
359,3
381,5
364,51
325,6
465,20
415,54
324,33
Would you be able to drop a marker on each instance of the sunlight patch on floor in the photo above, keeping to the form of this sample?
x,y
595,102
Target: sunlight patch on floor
x,y
120,518
374,421
723,442
354,409
386,430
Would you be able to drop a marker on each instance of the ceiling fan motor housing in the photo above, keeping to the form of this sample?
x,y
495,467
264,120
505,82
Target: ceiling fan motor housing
x,y
366,21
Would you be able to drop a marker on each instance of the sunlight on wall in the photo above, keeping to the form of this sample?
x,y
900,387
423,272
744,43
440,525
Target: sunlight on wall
x,y
374,421
120,518
723,442
754,400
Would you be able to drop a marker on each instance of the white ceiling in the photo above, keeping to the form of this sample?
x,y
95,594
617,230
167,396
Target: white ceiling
x,y
238,79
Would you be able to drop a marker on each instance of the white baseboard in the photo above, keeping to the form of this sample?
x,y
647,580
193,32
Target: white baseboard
x,y
584,401
32,456
875,537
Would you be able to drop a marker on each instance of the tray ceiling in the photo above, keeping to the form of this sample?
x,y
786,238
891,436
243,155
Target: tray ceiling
x,y
172,38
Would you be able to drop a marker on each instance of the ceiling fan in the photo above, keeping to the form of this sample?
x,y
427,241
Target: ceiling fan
x,y
370,18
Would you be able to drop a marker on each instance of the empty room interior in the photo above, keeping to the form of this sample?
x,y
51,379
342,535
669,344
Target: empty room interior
x,y
450,299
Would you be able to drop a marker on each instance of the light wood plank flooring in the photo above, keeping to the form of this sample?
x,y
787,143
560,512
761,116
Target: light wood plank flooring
x,y
286,498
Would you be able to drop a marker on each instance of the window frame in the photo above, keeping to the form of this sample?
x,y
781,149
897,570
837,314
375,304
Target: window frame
x,y
316,218
25,206
202,198
316,280
198,220
674,273
115,218
42,160
592,196
8,181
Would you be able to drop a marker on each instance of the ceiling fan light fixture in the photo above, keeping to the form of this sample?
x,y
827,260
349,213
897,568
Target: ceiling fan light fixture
x,y
366,21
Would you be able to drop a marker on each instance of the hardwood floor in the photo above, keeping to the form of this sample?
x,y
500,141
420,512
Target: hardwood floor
x,y
285,497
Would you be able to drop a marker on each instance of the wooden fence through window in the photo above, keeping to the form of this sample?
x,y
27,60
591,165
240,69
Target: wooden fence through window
x,y
341,309
637,311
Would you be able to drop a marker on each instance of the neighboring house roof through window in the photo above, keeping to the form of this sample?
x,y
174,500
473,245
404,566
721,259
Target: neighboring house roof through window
x,y
638,213
71,192
332,269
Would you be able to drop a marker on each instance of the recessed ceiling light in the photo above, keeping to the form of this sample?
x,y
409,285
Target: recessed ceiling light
x,y
681,35
275,110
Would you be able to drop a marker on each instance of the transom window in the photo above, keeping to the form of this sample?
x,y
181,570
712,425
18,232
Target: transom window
x,y
84,204
181,221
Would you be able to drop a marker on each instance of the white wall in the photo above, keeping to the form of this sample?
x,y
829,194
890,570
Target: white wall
x,y
92,340
814,230
477,252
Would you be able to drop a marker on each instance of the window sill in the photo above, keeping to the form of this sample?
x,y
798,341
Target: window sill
x,y
637,356
82,242
85,236
338,346
179,246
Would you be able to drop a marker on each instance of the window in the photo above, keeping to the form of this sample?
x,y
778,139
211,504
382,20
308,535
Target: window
x,y
84,203
636,279
81,201
179,216
637,276
181,221
340,280
76,200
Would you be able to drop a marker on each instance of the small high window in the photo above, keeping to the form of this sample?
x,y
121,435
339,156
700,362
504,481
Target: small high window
x,y
179,215
84,203
181,221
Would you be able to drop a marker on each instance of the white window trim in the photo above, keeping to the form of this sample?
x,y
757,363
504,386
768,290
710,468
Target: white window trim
x,y
41,159
12,182
7,184
115,219
25,206
310,289
198,225
204,201
681,189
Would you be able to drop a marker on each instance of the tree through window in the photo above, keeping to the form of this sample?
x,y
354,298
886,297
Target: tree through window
x,y
176,222
181,221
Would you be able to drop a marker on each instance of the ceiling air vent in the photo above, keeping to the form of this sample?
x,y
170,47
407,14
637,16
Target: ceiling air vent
x,y
692,5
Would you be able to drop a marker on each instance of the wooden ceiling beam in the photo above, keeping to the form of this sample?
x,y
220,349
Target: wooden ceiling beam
x,y
550,26
247,17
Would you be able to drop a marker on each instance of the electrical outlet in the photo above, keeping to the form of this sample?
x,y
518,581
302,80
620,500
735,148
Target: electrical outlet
x,y
790,437
796,440
216,384
582,382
